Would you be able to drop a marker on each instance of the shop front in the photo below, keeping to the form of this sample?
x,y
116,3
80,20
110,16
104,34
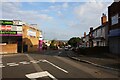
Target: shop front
x,y
11,37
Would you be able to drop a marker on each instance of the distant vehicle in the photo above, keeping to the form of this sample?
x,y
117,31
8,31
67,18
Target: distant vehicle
x,y
66,48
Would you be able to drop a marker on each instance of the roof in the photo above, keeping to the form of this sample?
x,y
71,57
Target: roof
x,y
105,24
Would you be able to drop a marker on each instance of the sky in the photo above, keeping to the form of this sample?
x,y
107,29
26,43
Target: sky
x,y
59,20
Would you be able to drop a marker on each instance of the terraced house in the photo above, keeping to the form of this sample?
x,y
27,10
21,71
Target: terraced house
x,y
97,36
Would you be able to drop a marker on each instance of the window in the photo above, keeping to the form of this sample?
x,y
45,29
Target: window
x,y
114,19
96,32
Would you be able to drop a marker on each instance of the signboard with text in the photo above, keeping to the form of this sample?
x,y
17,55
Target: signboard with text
x,y
6,22
31,33
5,27
8,32
10,28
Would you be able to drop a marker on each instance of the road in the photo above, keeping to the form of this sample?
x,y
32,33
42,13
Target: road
x,y
50,65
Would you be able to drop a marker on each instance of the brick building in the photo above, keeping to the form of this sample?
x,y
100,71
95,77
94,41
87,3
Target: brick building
x,y
114,27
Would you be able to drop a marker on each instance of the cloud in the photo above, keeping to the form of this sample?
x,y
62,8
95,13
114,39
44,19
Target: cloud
x,y
56,35
79,18
59,13
90,8
65,5
89,14
13,11
45,17
59,7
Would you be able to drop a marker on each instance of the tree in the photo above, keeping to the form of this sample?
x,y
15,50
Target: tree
x,y
53,44
74,41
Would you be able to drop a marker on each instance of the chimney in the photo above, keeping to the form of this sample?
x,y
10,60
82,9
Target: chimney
x,y
103,19
84,34
91,29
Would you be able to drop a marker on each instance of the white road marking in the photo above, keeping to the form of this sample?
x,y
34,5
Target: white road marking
x,y
59,53
56,66
1,66
40,75
36,66
24,62
35,61
12,64
43,60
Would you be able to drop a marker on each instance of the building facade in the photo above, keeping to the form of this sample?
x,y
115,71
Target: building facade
x,y
10,35
114,27
100,37
97,36
85,40
30,38
16,37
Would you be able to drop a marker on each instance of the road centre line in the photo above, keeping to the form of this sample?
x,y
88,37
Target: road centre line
x,y
36,66
40,75
24,62
35,61
56,66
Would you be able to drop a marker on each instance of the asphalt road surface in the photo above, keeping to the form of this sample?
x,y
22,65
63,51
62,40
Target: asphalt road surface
x,y
50,65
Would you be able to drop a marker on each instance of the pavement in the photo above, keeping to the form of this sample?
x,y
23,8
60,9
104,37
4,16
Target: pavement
x,y
97,60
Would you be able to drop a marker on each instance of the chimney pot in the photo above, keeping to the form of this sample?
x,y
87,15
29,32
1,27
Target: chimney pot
x,y
103,19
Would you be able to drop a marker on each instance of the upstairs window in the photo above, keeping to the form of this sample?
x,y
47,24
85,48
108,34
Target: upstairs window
x,y
114,19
